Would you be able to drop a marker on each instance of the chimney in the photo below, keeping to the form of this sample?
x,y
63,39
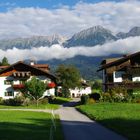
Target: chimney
x,y
32,62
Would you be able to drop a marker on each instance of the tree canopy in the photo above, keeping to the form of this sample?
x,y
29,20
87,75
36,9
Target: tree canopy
x,y
35,88
4,62
69,77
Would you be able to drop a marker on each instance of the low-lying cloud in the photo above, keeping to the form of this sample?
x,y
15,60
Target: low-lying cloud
x,y
124,46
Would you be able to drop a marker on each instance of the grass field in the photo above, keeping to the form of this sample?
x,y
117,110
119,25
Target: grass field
x,y
41,106
18,125
124,118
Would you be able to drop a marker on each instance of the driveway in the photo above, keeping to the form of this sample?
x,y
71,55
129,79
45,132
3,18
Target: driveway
x,y
77,126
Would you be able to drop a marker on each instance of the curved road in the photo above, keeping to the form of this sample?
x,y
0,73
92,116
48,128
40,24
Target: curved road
x,y
77,126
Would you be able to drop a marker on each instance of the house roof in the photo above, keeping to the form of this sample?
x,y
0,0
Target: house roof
x,y
41,66
118,61
21,66
3,67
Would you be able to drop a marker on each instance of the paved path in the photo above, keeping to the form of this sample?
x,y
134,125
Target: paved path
x,y
77,126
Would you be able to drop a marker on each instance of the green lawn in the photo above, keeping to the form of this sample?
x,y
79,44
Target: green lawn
x,y
124,118
18,125
41,106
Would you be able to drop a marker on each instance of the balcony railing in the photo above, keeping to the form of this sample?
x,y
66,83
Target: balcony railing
x,y
18,86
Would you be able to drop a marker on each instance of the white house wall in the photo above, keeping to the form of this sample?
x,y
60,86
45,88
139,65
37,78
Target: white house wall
x,y
4,88
49,92
80,91
117,76
136,79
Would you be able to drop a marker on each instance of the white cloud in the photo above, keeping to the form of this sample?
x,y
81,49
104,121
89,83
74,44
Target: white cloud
x,y
125,46
65,20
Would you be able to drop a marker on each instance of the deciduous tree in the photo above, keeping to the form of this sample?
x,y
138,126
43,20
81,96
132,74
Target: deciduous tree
x,y
35,88
69,77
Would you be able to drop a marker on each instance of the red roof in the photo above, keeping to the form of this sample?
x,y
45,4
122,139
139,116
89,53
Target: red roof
x,y
3,67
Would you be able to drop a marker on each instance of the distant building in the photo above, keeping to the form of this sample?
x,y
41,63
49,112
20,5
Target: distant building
x,y
84,89
13,77
121,72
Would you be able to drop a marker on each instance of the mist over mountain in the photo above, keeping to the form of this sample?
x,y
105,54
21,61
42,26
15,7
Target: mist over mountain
x,y
28,43
132,33
93,36
93,39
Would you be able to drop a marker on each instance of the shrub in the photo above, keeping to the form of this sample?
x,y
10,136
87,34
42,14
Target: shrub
x,y
91,101
106,97
27,102
136,98
84,99
95,96
43,101
17,101
1,100
118,94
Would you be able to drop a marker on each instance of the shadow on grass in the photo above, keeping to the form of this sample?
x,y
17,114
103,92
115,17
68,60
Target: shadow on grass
x,y
39,129
127,127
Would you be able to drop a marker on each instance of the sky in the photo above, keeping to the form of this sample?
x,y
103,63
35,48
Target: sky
x,y
26,18
50,4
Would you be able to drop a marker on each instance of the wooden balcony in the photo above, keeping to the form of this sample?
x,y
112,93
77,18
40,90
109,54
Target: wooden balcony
x,y
18,86
127,85
22,74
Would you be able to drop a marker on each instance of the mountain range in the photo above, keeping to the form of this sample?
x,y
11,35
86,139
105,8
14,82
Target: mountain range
x,y
93,36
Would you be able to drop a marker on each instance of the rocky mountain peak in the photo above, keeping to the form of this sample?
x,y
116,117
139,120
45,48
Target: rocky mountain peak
x,y
91,37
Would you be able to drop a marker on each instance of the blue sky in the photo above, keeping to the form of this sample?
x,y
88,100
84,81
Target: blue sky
x,y
49,4
24,18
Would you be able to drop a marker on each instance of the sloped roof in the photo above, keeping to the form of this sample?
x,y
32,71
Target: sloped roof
x,y
21,66
119,61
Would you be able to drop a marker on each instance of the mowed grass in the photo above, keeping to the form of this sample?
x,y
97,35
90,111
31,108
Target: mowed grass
x,y
124,118
19,125
40,106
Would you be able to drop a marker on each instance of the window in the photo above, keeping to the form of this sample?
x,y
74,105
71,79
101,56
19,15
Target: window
x,y
9,93
22,81
8,82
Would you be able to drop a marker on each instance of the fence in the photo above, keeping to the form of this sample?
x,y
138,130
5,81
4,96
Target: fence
x,y
53,126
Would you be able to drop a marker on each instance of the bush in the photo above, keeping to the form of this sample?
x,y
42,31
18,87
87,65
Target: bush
x,y
91,101
27,102
49,98
43,101
17,101
106,97
1,100
95,96
136,98
84,99
118,94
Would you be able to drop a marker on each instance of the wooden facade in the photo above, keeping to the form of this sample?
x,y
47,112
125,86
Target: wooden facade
x,y
128,68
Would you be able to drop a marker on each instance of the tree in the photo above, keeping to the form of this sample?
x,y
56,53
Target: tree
x,y
97,85
35,88
69,77
5,62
